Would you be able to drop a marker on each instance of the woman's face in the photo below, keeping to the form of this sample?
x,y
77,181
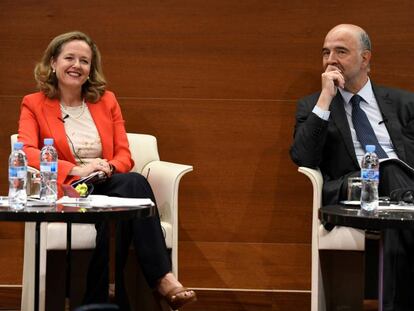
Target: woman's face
x,y
73,64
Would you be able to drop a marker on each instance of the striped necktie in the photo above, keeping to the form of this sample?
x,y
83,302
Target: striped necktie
x,y
363,129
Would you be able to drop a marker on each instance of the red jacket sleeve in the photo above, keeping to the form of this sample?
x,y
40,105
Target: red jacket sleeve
x,y
115,146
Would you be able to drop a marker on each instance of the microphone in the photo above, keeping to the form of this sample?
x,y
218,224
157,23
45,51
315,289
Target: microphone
x,y
64,118
383,121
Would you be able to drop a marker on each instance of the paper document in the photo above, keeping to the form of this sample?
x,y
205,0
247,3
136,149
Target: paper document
x,y
396,207
32,201
105,201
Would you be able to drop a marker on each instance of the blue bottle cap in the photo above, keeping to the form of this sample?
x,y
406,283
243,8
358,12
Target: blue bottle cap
x,y
48,141
370,148
18,145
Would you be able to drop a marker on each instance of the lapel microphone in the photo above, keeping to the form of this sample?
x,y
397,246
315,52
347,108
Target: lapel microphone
x,y
64,118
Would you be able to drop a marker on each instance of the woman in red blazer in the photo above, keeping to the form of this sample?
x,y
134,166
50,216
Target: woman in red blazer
x,y
88,129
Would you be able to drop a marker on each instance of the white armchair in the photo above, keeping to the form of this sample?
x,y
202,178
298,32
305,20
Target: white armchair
x,y
339,238
164,178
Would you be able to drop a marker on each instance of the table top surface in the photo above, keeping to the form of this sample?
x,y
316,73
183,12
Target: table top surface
x,y
75,213
354,217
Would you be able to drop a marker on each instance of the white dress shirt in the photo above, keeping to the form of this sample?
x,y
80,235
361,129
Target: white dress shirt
x,y
370,106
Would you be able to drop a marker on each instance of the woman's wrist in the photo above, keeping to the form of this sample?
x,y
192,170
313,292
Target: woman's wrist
x,y
76,171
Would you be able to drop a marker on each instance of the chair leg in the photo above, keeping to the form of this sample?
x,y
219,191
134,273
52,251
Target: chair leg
x,y
28,284
28,267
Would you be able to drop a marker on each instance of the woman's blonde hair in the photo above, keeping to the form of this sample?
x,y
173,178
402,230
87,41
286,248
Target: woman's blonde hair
x,y
92,89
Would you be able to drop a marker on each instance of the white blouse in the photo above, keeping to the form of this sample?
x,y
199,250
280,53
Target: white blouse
x,y
82,134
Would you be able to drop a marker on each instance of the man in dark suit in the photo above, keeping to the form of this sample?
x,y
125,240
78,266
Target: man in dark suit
x,y
325,137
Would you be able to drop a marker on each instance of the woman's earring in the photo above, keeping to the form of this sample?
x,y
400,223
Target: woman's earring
x,y
54,70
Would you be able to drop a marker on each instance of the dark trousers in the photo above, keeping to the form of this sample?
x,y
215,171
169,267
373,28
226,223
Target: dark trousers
x,y
146,234
398,246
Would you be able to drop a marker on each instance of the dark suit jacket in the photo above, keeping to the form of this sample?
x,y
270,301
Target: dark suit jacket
x,y
328,144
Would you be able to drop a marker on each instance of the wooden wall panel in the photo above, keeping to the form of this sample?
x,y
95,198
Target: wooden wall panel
x,y
11,230
241,165
10,298
218,300
11,261
217,83
275,266
220,49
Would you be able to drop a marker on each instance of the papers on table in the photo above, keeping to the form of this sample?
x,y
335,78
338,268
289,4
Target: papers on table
x,y
397,207
32,201
92,201
383,206
355,203
105,201
4,201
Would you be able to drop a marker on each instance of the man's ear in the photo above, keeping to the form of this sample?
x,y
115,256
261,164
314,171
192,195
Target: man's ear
x,y
366,57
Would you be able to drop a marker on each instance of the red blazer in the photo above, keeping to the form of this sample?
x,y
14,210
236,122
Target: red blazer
x,y
40,117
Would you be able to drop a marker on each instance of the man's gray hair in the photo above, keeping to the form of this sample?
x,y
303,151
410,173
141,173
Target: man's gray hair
x,y
365,41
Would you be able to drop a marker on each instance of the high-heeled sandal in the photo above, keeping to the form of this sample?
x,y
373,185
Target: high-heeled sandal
x,y
177,297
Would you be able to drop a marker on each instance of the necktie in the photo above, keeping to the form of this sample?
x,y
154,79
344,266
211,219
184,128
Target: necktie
x,y
363,128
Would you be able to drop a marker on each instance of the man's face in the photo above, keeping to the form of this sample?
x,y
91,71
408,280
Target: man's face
x,y
342,51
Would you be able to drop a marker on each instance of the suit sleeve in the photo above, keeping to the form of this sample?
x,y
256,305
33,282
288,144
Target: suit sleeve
x,y
309,135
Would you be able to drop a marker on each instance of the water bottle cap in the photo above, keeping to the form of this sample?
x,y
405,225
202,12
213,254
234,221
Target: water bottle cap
x,y
370,148
18,145
48,141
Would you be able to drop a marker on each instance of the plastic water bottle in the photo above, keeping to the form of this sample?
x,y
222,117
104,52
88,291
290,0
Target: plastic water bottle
x,y
370,180
17,177
48,172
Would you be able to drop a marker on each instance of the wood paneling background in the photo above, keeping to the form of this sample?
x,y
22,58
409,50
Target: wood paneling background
x,y
216,81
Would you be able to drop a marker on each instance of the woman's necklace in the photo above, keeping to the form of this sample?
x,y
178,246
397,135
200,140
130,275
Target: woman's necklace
x,y
82,110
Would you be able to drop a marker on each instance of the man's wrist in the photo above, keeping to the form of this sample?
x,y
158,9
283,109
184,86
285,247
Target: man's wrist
x,y
325,99
321,113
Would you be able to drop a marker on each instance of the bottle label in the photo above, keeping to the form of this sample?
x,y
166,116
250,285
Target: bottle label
x,y
17,171
48,167
370,174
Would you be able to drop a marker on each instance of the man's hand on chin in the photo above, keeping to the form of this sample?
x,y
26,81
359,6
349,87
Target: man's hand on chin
x,y
332,78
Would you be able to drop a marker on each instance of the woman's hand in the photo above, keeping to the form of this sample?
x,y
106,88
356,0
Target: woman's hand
x,y
93,166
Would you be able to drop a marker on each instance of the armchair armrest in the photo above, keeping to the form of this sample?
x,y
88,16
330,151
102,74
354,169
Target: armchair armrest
x,y
164,178
316,179
340,238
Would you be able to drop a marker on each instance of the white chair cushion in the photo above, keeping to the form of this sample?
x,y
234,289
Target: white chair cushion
x,y
341,238
83,236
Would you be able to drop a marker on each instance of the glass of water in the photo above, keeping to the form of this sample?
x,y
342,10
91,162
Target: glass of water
x,y
354,188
